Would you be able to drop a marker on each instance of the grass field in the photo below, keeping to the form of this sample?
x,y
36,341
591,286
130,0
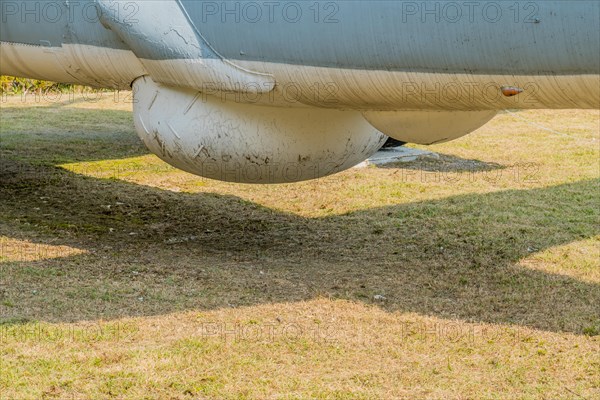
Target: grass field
x,y
475,275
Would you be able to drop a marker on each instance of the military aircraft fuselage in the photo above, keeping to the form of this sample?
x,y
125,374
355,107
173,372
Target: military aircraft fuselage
x,y
422,72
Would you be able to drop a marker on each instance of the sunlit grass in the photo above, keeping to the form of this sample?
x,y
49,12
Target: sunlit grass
x,y
472,275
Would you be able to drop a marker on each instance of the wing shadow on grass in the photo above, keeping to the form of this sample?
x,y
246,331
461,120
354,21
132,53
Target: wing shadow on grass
x,y
154,251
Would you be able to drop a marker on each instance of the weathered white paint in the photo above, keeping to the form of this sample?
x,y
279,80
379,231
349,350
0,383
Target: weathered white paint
x,y
249,143
210,75
80,64
428,127
417,90
297,85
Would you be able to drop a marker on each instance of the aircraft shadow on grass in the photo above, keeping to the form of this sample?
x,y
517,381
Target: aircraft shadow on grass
x,y
205,251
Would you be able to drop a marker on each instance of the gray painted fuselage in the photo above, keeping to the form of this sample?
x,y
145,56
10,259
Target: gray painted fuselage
x,y
543,37
506,37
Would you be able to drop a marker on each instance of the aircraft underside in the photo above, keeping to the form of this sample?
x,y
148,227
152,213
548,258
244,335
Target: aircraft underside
x,y
230,97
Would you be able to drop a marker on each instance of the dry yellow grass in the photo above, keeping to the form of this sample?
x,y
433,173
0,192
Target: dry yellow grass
x,y
476,275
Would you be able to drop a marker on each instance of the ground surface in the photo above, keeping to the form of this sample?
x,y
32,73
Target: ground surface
x,y
471,275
